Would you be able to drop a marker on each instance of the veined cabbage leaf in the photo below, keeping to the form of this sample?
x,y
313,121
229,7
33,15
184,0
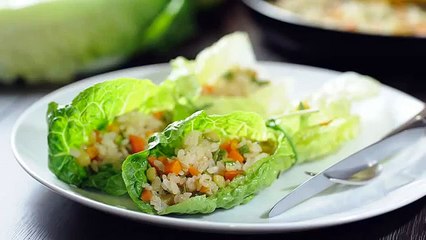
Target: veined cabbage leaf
x,y
241,189
51,41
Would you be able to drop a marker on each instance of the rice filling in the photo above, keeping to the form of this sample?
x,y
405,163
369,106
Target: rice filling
x,y
127,134
204,164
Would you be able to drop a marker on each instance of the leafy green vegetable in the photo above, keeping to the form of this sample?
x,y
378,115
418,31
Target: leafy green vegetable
x,y
231,50
177,93
94,108
313,142
133,172
258,176
315,135
244,149
219,155
218,60
268,101
197,204
108,179
50,41
241,189
237,124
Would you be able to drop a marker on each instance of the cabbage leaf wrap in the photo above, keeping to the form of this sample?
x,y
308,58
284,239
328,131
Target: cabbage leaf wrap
x,y
315,134
228,53
241,189
320,133
70,126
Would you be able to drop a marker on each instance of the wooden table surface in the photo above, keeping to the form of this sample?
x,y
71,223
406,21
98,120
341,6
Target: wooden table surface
x,y
28,210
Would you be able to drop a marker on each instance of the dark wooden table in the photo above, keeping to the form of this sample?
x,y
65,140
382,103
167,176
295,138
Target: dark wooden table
x,y
29,210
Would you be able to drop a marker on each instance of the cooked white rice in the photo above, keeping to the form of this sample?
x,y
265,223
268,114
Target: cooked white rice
x,y
198,153
112,146
235,82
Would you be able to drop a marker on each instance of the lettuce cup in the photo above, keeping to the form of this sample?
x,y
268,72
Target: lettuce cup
x,y
207,162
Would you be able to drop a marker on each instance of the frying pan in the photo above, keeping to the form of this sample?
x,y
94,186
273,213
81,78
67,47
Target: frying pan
x,y
388,57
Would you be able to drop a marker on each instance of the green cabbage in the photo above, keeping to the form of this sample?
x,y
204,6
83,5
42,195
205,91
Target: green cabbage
x,y
315,135
232,50
268,101
241,189
178,93
93,109
317,140
53,40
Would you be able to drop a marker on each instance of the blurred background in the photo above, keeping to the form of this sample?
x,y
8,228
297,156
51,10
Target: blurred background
x,y
45,44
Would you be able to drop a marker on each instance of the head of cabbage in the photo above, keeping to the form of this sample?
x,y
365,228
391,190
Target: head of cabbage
x,y
52,40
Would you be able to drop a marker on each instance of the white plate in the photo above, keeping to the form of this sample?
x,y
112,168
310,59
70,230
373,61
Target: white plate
x,y
402,181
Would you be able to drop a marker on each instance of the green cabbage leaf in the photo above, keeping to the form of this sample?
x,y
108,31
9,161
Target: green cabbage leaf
x,y
319,133
241,189
231,51
95,108
52,41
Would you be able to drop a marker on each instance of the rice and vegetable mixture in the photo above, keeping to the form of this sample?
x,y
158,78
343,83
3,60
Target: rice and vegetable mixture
x,y
235,82
127,134
204,164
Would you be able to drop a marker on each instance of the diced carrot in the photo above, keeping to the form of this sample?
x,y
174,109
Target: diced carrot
x,y
193,171
113,127
92,151
151,160
137,143
230,145
207,89
235,155
146,195
173,167
204,189
98,136
229,175
158,115
163,159
226,146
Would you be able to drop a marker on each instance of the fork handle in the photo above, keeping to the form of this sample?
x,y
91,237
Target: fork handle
x,y
417,121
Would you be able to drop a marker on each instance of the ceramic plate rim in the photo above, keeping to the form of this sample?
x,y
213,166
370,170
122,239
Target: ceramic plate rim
x,y
191,224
